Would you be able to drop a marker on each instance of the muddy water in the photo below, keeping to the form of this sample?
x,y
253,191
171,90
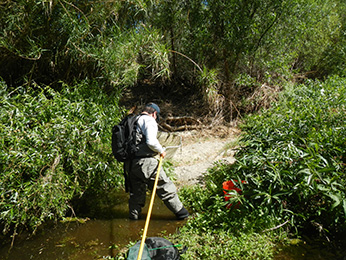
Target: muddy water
x,y
312,249
94,239
109,231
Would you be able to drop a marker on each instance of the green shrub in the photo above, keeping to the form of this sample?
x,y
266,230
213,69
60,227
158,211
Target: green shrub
x,y
292,158
54,147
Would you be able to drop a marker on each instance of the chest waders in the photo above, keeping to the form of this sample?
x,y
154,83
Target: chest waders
x,y
140,252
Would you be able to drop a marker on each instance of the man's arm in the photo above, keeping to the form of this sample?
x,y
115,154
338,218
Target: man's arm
x,y
150,130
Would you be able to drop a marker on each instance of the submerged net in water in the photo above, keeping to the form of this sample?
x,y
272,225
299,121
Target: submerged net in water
x,y
156,248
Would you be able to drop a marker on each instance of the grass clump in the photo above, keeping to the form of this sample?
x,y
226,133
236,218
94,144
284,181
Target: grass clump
x,y
226,245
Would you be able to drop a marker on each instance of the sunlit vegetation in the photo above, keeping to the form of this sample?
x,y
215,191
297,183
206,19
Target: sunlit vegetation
x,y
64,67
54,147
291,160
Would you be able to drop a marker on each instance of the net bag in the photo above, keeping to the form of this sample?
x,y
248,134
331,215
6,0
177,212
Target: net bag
x,y
171,142
133,252
156,248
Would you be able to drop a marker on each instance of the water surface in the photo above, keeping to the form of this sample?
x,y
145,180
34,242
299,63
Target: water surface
x,y
96,238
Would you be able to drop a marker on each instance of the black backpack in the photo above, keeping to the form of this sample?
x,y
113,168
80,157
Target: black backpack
x,y
124,138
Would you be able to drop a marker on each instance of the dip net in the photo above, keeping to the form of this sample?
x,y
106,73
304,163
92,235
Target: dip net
x,y
170,141
156,248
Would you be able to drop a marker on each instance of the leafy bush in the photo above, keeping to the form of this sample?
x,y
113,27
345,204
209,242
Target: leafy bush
x,y
293,157
46,42
54,147
214,233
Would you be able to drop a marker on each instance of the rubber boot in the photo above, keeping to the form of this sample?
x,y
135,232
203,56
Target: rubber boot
x,y
182,214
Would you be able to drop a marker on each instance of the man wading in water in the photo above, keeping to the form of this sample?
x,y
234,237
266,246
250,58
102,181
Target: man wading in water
x,y
143,168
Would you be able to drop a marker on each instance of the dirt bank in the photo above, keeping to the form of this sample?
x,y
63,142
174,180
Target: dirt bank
x,y
199,150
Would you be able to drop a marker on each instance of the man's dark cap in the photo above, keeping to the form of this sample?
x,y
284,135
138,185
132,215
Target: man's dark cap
x,y
156,108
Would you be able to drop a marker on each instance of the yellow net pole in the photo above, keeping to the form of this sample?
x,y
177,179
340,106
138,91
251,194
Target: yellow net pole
x,y
140,252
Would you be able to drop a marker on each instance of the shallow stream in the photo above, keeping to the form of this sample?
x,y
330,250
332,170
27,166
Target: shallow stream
x,y
94,239
110,231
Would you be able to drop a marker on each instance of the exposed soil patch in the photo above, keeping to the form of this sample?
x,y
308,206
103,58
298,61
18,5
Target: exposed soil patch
x,y
200,150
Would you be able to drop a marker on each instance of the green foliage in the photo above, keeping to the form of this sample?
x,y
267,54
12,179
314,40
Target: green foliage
x,y
304,32
211,213
225,245
249,43
128,56
54,147
292,158
57,40
240,44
